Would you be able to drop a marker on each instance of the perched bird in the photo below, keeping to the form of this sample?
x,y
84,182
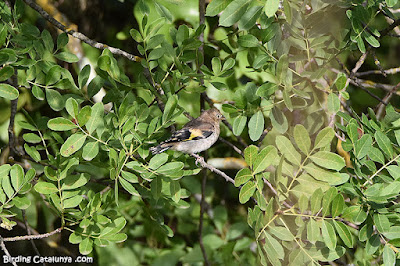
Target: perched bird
x,y
196,136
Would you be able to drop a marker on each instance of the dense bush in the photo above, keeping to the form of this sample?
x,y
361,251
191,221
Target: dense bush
x,y
312,147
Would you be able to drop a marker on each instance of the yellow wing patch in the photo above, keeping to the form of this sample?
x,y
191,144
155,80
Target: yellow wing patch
x,y
195,133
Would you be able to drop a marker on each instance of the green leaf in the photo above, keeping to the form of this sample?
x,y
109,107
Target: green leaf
x,y
60,124
55,99
328,160
17,176
243,176
389,257
72,202
373,244
158,160
250,154
169,108
72,144
62,40
32,152
384,143
53,75
32,138
135,34
286,147
6,72
371,39
96,118
45,188
338,205
128,187
239,124
38,93
318,173
83,76
67,57
86,246
75,181
328,235
282,233
8,92
163,11
315,200
279,120
21,202
327,199
156,54
4,170
391,3
313,231
333,103
363,146
156,186
249,18
271,6
324,138
344,233
233,12
340,81
215,7
376,155
256,126
47,40
273,248
246,192
381,222
266,157
302,138
90,150
6,184
248,41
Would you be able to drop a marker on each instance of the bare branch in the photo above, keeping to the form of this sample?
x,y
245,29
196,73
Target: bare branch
x,y
203,164
79,35
385,71
29,237
5,250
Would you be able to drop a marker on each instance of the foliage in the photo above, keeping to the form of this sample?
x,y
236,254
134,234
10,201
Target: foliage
x,y
268,66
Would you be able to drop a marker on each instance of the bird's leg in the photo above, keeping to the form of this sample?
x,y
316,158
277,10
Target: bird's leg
x,y
198,160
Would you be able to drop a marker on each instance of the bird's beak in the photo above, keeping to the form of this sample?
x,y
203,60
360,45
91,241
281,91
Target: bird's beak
x,y
223,118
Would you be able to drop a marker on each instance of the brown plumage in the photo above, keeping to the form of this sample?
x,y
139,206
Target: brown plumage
x,y
196,136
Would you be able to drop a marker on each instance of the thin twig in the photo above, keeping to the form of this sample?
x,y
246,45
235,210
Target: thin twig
x,y
385,72
29,237
28,230
391,27
79,35
203,164
231,145
359,63
5,250
381,106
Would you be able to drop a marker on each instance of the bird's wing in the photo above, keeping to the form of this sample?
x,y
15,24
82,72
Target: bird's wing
x,y
202,131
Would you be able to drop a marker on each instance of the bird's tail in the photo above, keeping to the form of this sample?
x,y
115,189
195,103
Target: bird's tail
x,y
160,148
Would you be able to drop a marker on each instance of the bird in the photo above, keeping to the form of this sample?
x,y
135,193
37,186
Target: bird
x,y
196,136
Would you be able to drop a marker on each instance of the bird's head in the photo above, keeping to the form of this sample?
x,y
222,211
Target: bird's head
x,y
213,114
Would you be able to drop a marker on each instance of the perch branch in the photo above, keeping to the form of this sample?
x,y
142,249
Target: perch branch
x,y
203,164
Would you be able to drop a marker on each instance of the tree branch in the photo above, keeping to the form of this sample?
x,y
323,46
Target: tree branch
x,y
5,250
29,237
203,164
79,35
